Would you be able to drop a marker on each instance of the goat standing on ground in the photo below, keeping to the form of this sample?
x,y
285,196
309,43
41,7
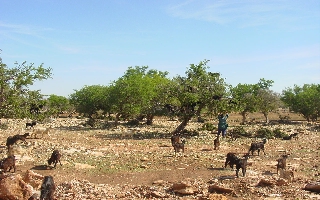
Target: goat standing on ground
x,y
231,160
47,188
8,163
289,137
242,163
31,124
41,132
257,146
11,140
216,143
178,143
55,158
282,162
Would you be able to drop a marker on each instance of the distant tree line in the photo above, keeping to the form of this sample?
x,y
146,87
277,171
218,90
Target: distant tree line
x,y
145,93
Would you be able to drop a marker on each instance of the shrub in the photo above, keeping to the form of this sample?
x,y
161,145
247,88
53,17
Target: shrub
x,y
265,133
208,127
278,133
239,131
3,126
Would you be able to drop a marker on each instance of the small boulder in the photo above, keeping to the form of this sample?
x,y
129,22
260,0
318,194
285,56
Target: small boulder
x,y
13,187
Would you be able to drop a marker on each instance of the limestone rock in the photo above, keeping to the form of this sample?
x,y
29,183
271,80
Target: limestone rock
x,y
33,179
219,189
13,187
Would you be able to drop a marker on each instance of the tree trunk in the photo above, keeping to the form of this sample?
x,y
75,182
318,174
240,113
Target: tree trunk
x,y
150,119
117,119
265,114
244,117
199,112
182,125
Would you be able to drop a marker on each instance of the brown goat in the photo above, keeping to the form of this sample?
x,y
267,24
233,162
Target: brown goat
x,y
282,162
8,163
242,163
178,143
47,188
216,143
55,158
11,140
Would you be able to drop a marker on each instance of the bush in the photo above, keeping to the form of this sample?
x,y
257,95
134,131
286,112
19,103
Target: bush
x,y
239,131
278,133
207,127
3,126
265,133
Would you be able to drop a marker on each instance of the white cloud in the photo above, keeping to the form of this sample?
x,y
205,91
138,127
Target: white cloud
x,y
246,12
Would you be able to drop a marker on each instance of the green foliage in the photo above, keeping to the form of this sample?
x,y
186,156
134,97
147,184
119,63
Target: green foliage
x,y
304,100
268,133
239,131
250,98
265,133
90,100
267,101
208,127
58,104
278,133
4,126
138,91
15,96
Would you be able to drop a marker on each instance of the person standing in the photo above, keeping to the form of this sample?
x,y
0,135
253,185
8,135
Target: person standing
x,y
223,125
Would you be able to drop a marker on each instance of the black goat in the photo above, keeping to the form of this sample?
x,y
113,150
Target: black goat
x,y
282,162
47,188
216,143
231,160
289,137
257,146
8,163
178,143
31,124
55,158
11,140
242,163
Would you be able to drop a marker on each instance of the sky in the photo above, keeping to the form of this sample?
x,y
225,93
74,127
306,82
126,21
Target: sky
x,y
94,42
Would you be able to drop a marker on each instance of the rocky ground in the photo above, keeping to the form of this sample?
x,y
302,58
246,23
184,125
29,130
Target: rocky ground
x,y
138,162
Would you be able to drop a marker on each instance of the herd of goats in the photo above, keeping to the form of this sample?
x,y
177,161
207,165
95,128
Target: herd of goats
x,y
232,159
177,141
7,164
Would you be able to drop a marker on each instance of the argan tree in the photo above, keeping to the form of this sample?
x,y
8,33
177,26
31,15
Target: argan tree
x,y
249,97
137,92
15,95
304,100
194,92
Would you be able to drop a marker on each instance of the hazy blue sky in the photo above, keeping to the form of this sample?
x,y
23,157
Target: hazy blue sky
x,y
94,42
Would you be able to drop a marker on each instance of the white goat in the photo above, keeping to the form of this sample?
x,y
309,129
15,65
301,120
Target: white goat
x,y
41,131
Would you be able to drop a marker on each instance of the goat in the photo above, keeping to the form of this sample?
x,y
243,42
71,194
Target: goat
x,y
11,140
41,132
282,162
216,143
55,158
257,146
242,163
231,160
178,143
47,188
289,137
31,124
8,163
